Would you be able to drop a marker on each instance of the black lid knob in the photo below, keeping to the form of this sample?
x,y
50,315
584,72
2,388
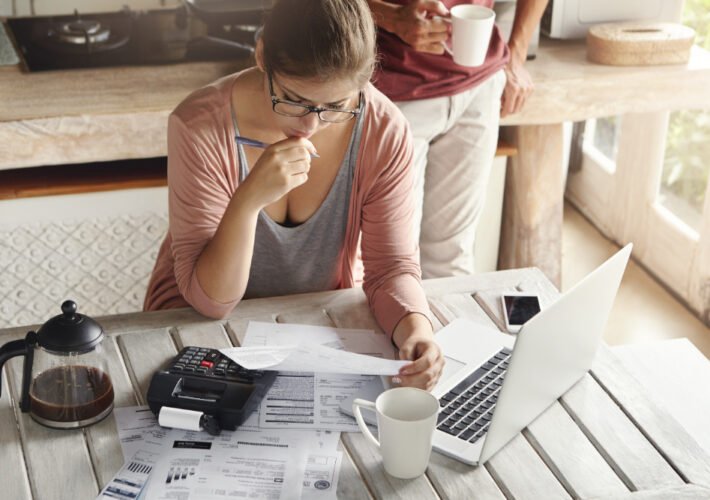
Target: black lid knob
x,y
69,309
70,331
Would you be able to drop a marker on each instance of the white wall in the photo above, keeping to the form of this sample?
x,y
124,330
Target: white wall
x,y
44,209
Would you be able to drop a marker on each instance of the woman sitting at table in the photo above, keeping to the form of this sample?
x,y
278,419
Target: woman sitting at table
x,y
249,219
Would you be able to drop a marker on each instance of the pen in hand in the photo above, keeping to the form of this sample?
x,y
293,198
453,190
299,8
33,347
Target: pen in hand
x,y
258,144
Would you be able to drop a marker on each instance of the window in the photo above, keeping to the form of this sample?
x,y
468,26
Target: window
x,y
643,177
686,165
601,141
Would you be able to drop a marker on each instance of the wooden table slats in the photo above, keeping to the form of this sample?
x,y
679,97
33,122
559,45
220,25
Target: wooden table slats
x,y
605,438
211,335
368,461
454,480
521,473
664,432
570,455
459,305
144,353
625,448
686,492
316,316
12,456
52,456
351,485
101,439
237,327
353,315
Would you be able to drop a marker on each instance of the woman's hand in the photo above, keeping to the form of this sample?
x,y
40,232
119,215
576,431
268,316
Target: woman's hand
x,y
415,339
282,167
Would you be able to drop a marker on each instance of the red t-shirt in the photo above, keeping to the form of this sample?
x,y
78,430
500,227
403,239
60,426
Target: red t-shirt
x,y
405,74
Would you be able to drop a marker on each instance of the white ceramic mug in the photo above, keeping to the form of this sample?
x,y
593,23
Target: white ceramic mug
x,y
471,30
406,418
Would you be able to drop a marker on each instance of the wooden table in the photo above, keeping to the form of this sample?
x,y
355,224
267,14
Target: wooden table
x,y
78,116
605,438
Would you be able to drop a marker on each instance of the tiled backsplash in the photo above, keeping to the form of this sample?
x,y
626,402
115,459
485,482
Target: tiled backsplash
x,y
103,264
97,249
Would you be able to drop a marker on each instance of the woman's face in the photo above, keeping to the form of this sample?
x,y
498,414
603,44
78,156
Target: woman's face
x,y
337,94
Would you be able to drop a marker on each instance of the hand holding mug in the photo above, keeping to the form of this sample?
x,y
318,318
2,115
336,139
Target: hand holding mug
x,y
421,25
471,30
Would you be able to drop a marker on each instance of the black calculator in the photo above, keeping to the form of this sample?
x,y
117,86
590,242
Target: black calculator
x,y
205,380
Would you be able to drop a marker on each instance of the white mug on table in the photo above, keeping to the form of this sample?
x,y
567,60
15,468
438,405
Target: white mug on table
x,y
406,418
471,30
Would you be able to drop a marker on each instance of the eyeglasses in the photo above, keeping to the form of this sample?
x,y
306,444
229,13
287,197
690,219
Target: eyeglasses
x,y
285,107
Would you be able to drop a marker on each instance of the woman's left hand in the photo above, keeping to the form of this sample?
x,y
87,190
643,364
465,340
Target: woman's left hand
x,y
427,361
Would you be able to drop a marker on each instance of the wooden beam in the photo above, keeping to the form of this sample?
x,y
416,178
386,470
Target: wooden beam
x,y
531,233
82,178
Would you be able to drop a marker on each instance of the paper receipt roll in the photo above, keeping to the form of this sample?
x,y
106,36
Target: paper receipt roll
x,y
179,418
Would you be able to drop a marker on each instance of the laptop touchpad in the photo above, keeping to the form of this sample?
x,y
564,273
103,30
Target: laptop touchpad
x,y
451,368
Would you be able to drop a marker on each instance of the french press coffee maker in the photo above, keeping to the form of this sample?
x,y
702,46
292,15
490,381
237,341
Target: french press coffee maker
x,y
65,382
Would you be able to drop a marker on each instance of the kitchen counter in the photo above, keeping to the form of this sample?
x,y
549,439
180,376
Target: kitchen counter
x,y
105,114
87,115
82,116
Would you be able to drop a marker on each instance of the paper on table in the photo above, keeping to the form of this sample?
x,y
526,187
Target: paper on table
x,y
138,429
310,357
129,481
349,339
322,474
250,469
307,400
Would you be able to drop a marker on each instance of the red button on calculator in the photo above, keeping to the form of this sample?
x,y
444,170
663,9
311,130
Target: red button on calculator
x,y
207,364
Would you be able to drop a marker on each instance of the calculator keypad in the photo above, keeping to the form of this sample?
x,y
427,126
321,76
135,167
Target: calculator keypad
x,y
212,364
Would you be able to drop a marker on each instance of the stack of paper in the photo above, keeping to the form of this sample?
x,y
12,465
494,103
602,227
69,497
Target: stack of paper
x,y
286,449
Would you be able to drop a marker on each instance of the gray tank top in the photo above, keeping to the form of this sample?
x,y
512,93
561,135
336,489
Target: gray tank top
x,y
302,258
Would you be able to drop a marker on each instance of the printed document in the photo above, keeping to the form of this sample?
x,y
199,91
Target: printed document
x,y
249,468
316,451
310,357
129,481
299,400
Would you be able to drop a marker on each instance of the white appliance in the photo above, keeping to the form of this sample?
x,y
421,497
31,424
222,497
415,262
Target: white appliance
x,y
572,18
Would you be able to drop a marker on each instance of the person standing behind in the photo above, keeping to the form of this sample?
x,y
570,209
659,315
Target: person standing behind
x,y
454,113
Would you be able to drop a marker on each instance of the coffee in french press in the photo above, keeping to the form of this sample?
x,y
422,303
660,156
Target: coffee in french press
x,y
65,382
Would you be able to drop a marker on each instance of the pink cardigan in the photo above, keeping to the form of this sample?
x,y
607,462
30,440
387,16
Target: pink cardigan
x,y
203,174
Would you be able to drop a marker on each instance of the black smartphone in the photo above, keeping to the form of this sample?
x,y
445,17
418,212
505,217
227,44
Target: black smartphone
x,y
519,308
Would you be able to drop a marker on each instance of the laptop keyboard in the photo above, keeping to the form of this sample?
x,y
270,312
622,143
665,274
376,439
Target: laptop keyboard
x,y
466,410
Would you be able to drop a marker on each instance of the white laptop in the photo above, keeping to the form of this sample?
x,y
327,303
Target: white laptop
x,y
494,384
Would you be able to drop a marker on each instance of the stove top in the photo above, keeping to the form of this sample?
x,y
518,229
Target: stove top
x,y
126,38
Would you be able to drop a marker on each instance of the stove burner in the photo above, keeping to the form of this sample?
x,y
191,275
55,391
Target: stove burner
x,y
82,32
127,38
75,36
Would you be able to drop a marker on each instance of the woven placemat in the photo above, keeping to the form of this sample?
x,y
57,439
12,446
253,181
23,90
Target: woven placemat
x,y
8,56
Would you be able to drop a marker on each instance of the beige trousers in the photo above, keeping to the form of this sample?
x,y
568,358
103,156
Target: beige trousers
x,y
455,140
